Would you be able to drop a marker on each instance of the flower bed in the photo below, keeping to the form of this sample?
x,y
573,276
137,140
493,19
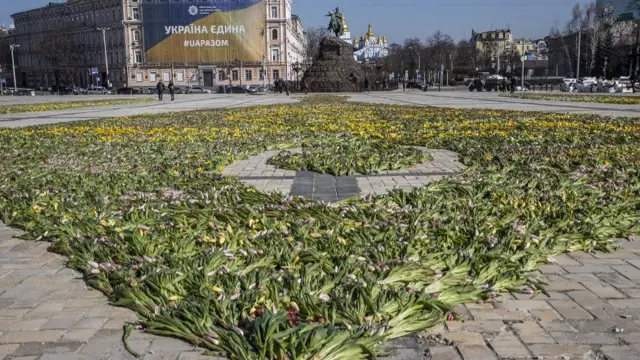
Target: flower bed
x,y
11,109
139,207
347,156
601,99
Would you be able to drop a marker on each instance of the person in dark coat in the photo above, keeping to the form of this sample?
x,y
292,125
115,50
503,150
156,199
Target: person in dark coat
x,y
513,84
160,88
366,85
172,90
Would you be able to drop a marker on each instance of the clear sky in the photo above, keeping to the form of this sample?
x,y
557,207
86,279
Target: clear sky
x,y
399,19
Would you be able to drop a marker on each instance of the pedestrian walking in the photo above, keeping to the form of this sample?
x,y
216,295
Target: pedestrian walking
x,y
366,85
304,87
160,88
286,87
384,84
172,90
513,84
404,85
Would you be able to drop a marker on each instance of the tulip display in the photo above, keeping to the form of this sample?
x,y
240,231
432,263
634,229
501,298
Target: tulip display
x,y
139,206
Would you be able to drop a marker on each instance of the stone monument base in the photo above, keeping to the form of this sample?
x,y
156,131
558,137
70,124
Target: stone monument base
x,y
334,70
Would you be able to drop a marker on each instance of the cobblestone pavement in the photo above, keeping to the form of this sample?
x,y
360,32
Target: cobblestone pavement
x,y
255,172
593,312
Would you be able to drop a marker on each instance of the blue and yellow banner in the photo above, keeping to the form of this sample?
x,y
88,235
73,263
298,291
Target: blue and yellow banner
x,y
206,31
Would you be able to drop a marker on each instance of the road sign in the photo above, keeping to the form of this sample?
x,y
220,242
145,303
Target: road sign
x,y
97,78
94,71
523,58
3,80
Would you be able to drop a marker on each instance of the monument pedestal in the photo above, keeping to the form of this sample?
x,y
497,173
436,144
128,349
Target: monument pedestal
x,y
334,70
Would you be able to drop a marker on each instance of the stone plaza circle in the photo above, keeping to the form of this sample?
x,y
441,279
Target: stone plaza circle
x,y
254,171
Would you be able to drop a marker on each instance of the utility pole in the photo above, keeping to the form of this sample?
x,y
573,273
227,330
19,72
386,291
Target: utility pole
x,y
13,66
106,60
579,43
523,59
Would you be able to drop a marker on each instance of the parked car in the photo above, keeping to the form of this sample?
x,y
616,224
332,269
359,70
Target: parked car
x,y
198,90
97,90
78,90
258,88
63,90
21,92
240,90
129,91
414,85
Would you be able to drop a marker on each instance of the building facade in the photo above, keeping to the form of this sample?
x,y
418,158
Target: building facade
x,y
60,43
500,47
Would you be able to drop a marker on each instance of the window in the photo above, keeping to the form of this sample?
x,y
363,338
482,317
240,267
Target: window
x,y
275,54
136,35
248,75
166,76
180,75
138,56
234,75
139,77
276,74
274,12
221,76
153,76
136,13
274,34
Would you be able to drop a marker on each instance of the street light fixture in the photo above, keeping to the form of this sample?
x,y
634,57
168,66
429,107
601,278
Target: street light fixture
x,y
104,42
13,66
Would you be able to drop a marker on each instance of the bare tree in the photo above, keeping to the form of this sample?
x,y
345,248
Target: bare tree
x,y
588,20
442,47
595,27
313,37
568,52
58,51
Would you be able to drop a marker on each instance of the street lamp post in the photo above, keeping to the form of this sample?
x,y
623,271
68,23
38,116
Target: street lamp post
x,y
104,42
419,67
296,67
13,66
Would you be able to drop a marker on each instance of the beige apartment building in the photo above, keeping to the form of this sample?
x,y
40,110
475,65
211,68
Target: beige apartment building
x,y
63,42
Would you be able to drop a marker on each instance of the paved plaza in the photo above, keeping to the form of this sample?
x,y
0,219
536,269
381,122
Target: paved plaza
x,y
592,311
454,99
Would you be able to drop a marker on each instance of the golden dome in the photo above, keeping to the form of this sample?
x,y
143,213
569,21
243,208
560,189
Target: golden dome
x,y
370,33
345,27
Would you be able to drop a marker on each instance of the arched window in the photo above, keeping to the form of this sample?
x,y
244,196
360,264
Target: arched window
x,y
274,34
